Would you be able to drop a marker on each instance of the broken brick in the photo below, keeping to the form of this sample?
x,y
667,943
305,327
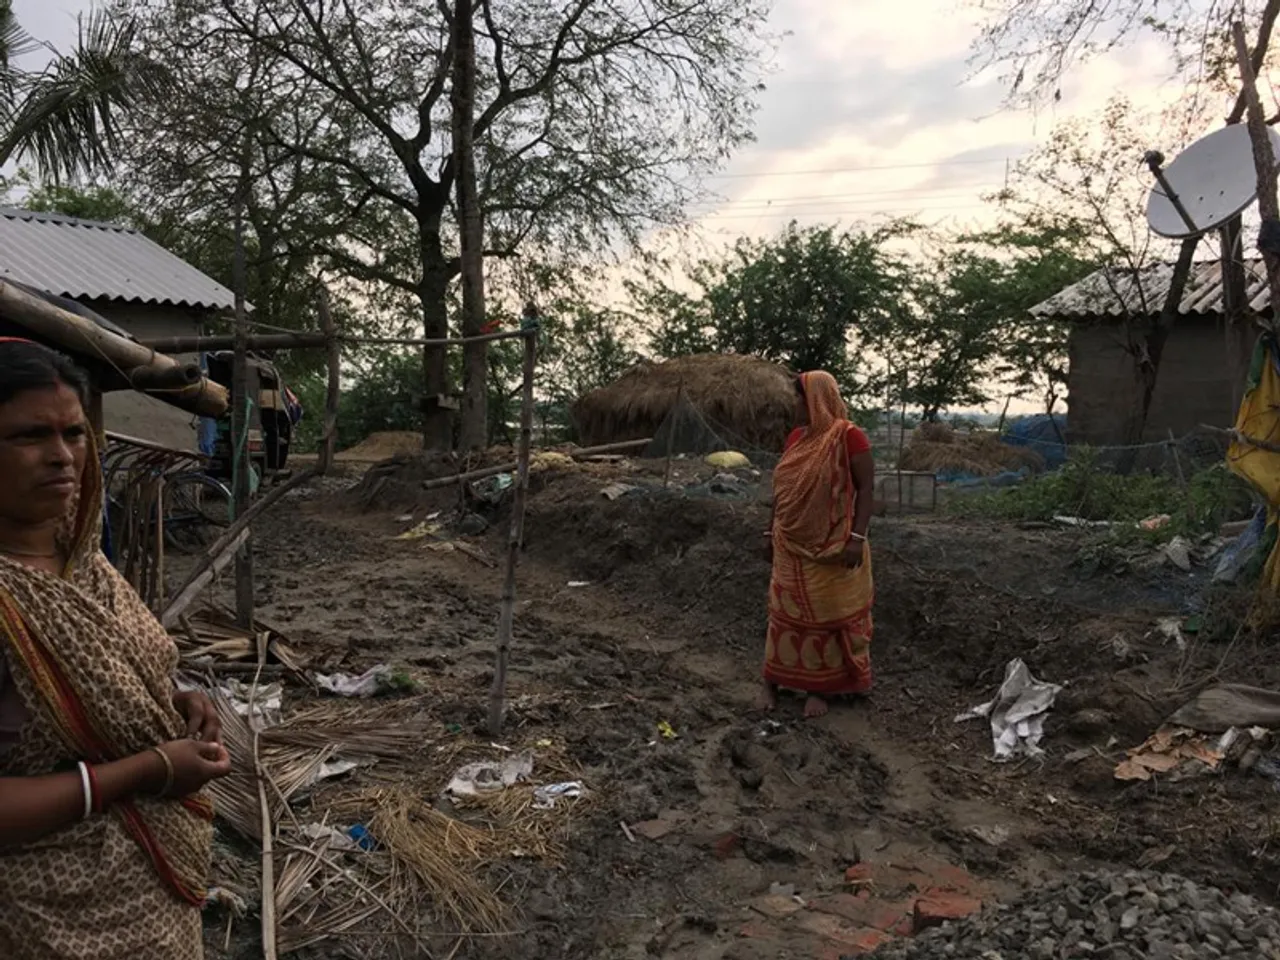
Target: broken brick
x,y
867,941
776,907
940,907
757,931
858,873
864,911
653,829
726,845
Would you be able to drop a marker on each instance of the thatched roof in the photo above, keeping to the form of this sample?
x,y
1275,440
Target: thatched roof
x,y
749,400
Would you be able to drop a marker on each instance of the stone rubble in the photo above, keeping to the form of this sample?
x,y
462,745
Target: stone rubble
x,y
1109,916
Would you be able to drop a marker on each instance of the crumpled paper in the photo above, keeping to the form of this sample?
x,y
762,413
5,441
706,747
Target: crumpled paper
x,y
1017,713
485,777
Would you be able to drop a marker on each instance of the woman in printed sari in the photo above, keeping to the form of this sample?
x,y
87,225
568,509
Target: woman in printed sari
x,y
104,836
821,590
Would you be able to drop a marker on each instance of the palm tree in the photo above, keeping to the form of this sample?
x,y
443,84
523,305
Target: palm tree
x,y
66,117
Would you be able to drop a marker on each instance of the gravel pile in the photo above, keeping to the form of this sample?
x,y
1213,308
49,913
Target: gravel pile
x,y
1116,916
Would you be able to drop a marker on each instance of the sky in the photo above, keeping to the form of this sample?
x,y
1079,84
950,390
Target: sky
x,y
870,110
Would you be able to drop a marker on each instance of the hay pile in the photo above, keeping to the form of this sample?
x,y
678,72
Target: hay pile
x,y
937,448
382,446
752,399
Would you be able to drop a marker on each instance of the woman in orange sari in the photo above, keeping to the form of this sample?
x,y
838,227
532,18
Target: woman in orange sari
x,y
104,835
821,590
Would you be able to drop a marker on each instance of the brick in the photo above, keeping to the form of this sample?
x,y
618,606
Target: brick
x,y
868,941
776,907
859,873
864,911
757,931
939,908
726,845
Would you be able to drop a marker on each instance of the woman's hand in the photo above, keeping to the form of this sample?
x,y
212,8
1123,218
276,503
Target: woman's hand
x,y
201,716
195,763
854,551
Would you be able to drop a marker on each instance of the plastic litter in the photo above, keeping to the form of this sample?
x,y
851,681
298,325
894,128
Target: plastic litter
x,y
668,732
338,839
727,460
477,779
266,701
616,490
1178,552
545,798
425,529
1017,713
366,685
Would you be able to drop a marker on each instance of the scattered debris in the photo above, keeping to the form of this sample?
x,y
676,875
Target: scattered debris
x,y
427,528
1170,628
546,797
486,777
337,839
1152,524
615,491
1178,552
370,683
668,732
264,703
1017,713
1182,752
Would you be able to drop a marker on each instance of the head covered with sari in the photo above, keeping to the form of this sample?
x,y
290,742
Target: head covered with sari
x,y
95,673
813,487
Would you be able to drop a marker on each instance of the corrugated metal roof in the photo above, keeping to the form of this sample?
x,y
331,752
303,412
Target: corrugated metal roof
x,y
1119,291
82,259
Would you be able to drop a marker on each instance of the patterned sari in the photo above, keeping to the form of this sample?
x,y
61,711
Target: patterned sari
x,y
819,637
95,673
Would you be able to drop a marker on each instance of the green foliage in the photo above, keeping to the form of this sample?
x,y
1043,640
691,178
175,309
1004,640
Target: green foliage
x,y
796,299
1081,488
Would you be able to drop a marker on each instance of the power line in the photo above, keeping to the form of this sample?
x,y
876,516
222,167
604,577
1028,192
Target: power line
x,y
868,197
763,215
858,169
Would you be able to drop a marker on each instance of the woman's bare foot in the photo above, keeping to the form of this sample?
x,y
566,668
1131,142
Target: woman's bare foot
x,y
768,701
815,707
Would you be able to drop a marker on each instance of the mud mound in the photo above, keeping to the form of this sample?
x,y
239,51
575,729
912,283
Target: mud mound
x,y
381,446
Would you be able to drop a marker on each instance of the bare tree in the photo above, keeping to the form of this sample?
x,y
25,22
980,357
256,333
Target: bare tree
x,y
592,124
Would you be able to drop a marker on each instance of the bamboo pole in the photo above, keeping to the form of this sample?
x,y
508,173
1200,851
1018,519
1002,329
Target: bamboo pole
x,y
219,554
506,616
329,438
242,465
308,340
64,329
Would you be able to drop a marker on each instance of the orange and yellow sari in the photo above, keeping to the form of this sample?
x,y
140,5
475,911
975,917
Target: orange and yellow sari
x,y
95,673
820,625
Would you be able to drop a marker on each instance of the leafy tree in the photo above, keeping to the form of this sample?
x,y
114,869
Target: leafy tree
x,y
589,120
798,299
66,116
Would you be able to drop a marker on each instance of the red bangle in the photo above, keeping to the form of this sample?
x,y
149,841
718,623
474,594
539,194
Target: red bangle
x,y
95,796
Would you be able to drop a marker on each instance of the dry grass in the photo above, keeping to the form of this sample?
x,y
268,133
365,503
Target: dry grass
x,y
753,398
935,448
382,446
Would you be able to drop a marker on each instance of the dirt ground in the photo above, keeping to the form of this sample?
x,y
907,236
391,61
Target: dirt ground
x,y
883,801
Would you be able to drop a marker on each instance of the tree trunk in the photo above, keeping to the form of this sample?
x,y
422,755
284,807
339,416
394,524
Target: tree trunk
x,y
1150,349
475,357
437,421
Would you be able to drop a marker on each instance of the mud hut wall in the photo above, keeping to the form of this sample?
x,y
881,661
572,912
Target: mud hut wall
x,y
1194,387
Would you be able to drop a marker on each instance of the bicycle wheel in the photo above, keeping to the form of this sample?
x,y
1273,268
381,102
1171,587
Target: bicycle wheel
x,y
197,509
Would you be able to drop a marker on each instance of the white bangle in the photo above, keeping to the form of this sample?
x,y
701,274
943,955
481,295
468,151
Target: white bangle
x,y
861,538
86,787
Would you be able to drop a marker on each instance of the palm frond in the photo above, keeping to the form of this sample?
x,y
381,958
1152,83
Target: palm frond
x,y
68,115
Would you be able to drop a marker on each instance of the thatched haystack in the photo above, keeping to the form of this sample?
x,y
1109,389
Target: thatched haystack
x,y
751,400
937,448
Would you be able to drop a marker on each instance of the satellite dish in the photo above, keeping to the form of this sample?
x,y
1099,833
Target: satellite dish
x,y
1213,180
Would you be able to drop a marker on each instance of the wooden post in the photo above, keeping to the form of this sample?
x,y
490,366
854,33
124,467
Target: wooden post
x,y
242,465
1264,161
506,617
673,421
333,347
1234,305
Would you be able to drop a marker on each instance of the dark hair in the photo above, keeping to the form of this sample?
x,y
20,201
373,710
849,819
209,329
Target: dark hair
x,y
799,382
29,366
